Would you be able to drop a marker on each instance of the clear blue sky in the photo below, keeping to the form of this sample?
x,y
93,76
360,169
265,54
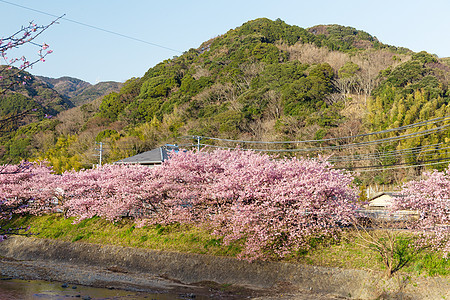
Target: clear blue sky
x,y
94,55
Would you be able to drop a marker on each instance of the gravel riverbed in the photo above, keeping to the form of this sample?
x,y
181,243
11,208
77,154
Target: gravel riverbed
x,y
213,277
116,278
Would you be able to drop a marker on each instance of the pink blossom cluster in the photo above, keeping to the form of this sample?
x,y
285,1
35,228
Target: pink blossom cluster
x,y
27,187
111,192
275,205
24,188
431,198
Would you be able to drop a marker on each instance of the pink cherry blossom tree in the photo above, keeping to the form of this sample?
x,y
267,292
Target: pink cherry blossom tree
x,y
110,192
275,205
431,198
25,188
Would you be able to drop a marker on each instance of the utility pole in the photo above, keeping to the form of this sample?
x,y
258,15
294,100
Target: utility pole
x,y
198,138
100,153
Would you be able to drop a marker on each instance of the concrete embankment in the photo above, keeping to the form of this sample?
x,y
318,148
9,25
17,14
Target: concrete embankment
x,y
186,269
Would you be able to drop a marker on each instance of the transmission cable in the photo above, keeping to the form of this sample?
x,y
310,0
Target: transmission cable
x,y
387,155
423,123
346,146
93,27
398,164
402,167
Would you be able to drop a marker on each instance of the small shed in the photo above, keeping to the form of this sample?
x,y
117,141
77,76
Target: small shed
x,y
381,200
150,158
379,208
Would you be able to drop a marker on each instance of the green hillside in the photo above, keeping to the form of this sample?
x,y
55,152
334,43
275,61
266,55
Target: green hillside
x,y
78,91
66,86
263,81
95,91
29,94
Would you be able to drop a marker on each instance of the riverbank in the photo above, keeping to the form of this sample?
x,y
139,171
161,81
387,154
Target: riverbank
x,y
346,254
218,277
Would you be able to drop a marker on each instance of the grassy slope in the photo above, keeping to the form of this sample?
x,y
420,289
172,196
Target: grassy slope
x,y
346,254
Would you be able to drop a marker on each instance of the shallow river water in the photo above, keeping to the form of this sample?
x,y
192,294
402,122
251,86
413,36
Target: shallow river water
x,y
12,289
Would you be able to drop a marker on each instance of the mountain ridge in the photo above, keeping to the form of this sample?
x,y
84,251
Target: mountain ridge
x,y
78,91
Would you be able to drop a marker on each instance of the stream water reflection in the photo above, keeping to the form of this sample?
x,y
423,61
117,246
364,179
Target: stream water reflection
x,y
35,289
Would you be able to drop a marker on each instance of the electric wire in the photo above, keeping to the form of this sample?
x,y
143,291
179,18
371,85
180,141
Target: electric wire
x,y
421,156
346,146
371,168
93,27
425,148
387,155
423,123
422,151
399,164
412,150
402,167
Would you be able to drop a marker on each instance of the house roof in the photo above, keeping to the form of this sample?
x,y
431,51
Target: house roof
x,y
155,156
382,199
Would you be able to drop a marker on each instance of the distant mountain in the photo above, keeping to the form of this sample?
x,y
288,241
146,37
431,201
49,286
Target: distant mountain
x,y
78,91
95,91
66,86
30,92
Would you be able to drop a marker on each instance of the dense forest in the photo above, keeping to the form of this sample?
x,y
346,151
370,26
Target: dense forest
x,y
263,81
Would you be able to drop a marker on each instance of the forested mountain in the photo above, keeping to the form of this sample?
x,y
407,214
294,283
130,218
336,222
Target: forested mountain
x,y
95,91
66,86
263,81
78,91
30,93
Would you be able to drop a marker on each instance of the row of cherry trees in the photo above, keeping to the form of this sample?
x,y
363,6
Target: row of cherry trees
x,y
275,206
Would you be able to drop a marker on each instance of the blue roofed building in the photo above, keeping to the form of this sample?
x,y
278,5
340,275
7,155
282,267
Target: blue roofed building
x,y
150,158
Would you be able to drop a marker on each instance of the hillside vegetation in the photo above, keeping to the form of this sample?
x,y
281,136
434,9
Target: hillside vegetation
x,y
30,95
78,91
263,81
66,86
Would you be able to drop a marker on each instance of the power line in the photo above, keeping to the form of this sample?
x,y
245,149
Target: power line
x,y
403,167
371,156
423,123
397,152
357,158
400,164
371,168
93,27
424,151
346,146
